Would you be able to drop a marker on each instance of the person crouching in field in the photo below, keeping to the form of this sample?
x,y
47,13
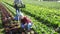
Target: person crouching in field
x,y
25,22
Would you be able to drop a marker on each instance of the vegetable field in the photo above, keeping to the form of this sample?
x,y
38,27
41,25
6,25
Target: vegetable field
x,y
44,15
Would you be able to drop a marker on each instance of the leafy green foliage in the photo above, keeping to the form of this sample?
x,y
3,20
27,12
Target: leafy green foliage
x,y
40,16
38,26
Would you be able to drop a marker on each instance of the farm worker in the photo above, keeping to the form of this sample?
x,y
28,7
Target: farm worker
x,y
25,22
17,4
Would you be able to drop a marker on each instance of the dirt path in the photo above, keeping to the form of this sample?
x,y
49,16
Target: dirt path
x,y
6,20
3,10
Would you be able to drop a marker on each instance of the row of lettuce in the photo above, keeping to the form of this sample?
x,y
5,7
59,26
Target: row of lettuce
x,y
38,26
51,16
46,4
